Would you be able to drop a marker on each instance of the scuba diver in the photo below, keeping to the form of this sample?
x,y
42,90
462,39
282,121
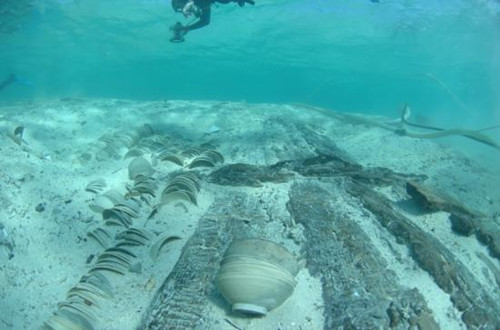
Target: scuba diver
x,y
10,79
14,78
200,9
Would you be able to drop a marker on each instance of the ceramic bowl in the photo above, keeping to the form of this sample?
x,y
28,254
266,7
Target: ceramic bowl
x,y
256,276
264,250
139,166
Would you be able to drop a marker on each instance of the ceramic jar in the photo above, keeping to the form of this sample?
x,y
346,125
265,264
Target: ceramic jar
x,y
256,275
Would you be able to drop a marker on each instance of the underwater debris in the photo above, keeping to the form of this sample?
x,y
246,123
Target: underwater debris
x,y
183,186
155,250
40,207
65,319
115,259
154,142
432,201
17,135
473,135
135,152
463,220
208,158
101,236
466,292
256,275
117,217
96,186
107,200
190,152
133,237
249,175
115,142
139,166
19,132
7,241
143,185
120,210
399,129
100,203
172,157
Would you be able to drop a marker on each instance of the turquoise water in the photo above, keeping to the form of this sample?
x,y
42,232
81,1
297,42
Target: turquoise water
x,y
441,57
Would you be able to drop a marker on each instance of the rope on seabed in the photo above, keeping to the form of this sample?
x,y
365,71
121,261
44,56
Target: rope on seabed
x,y
441,132
475,135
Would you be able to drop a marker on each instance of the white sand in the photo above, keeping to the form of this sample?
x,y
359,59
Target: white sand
x,y
51,247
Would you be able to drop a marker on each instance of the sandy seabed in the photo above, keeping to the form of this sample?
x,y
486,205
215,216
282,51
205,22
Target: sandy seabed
x,y
46,213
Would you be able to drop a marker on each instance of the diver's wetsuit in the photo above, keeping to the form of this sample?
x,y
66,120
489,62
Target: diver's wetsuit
x,y
204,6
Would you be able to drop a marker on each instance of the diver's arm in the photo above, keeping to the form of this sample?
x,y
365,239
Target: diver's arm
x,y
203,21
